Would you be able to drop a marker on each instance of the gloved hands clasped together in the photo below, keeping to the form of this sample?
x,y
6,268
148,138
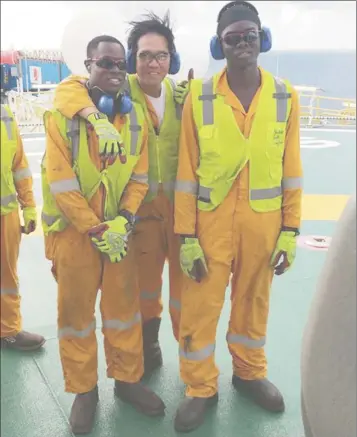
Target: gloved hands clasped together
x,y
110,141
111,237
192,259
286,248
30,220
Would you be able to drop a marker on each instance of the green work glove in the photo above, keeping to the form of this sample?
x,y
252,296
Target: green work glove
x,y
110,141
192,259
182,89
111,238
30,219
181,92
286,248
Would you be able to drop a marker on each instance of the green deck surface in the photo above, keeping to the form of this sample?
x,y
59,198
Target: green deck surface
x,y
33,402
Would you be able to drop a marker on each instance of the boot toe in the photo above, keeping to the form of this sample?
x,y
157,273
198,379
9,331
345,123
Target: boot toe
x,y
262,392
24,341
142,398
187,419
191,413
152,404
83,412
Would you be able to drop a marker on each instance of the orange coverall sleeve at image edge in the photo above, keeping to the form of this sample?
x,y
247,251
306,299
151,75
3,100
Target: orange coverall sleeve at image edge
x,y
58,169
71,96
136,188
292,167
185,202
24,186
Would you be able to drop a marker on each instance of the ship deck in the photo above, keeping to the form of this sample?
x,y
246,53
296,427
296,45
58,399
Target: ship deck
x,y
33,402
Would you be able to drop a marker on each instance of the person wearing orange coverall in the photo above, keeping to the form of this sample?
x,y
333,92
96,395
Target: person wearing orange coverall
x,y
16,188
237,209
153,56
88,217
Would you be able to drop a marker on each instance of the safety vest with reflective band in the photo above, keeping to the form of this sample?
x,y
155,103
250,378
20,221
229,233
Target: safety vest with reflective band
x,y
88,177
224,151
8,151
163,142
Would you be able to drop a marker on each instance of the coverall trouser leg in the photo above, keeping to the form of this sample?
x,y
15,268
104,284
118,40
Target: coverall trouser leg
x,y
235,239
81,270
155,242
250,290
11,322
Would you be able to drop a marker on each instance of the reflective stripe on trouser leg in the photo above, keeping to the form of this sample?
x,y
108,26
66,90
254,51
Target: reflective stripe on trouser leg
x,y
78,269
201,308
10,297
120,308
251,284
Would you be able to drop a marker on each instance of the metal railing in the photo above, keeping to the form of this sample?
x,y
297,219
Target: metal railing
x,y
28,109
316,109
319,110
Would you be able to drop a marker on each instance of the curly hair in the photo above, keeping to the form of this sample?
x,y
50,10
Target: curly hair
x,y
151,24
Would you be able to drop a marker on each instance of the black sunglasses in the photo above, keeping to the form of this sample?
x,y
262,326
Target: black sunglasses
x,y
108,63
234,39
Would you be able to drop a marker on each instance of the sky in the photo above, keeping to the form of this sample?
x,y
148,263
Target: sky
x,y
66,25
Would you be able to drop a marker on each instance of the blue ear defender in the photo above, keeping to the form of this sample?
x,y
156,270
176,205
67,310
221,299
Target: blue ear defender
x,y
266,42
110,106
126,105
130,62
175,62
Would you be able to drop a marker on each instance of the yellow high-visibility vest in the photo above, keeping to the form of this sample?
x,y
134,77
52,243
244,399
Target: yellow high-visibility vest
x,y
8,148
88,177
163,144
224,151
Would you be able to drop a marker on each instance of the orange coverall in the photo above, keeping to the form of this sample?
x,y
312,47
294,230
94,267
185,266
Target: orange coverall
x,y
80,270
235,239
154,236
11,322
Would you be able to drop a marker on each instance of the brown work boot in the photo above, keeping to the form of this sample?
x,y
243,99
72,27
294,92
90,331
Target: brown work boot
x,y
83,412
262,392
140,397
152,350
191,412
23,341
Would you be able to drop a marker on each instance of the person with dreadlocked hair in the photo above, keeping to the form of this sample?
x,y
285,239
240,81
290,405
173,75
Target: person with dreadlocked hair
x,y
238,210
151,57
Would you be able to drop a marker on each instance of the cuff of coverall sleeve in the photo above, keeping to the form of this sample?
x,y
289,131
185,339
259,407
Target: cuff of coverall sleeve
x,y
291,224
291,229
86,229
28,204
126,213
184,236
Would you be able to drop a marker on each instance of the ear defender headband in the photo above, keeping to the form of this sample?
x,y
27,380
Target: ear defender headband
x,y
238,11
175,61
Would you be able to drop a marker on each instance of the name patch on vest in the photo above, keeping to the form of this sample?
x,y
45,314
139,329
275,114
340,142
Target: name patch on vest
x,y
278,137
